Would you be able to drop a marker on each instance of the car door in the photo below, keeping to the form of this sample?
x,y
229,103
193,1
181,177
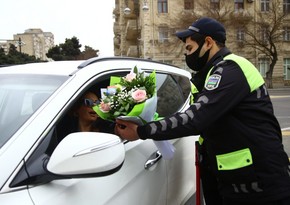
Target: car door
x,y
175,96
144,177
132,184
141,180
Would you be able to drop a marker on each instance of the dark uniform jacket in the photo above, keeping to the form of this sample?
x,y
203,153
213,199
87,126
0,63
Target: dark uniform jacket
x,y
241,134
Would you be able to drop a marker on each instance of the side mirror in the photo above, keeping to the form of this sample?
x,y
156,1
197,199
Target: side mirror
x,y
87,154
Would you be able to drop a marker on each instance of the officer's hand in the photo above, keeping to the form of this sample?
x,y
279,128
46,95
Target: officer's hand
x,y
126,130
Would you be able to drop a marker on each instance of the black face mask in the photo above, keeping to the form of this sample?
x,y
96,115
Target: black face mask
x,y
195,62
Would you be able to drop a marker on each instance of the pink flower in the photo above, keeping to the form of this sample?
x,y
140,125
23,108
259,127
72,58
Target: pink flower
x,y
139,95
105,107
129,77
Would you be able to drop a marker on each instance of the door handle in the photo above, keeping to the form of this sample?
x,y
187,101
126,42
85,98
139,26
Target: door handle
x,y
153,159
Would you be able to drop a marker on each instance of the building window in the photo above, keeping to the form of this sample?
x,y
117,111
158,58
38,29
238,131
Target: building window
x,y
286,33
286,6
265,5
286,68
264,65
188,4
264,35
240,34
239,5
163,35
214,4
162,6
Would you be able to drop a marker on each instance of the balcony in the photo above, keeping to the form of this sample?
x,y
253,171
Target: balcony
x,y
131,32
117,28
117,41
116,11
132,51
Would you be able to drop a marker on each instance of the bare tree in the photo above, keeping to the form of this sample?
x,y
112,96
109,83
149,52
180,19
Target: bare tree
x,y
220,12
263,29
264,33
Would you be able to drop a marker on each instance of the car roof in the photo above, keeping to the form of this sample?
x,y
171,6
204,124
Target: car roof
x,y
48,68
67,68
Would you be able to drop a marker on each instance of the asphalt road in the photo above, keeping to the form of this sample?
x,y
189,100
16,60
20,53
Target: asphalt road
x,y
281,102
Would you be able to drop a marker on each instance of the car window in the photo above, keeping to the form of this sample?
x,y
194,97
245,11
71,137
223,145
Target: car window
x,y
20,97
172,92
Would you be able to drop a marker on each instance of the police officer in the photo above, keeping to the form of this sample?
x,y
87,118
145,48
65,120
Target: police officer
x,y
244,162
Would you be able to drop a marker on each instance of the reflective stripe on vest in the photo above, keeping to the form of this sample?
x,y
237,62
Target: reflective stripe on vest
x,y
234,160
254,78
240,158
193,91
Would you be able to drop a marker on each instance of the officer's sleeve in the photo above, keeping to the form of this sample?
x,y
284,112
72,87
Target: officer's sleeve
x,y
224,89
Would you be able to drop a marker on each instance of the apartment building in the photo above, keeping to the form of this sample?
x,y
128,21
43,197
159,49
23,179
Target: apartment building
x,y
146,29
32,42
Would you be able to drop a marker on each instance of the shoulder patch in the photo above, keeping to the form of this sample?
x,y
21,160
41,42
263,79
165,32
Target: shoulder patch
x,y
213,82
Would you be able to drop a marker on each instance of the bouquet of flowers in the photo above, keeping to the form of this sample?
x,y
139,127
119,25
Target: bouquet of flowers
x,y
133,98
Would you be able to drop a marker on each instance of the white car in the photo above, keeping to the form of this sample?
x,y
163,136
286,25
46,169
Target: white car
x,y
86,167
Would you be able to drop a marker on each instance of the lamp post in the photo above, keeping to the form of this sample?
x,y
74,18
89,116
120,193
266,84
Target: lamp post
x,y
20,44
145,8
127,11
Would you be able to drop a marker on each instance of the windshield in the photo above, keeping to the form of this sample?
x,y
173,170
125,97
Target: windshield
x,y
20,97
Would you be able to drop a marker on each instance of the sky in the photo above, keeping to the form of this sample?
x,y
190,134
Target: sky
x,y
91,21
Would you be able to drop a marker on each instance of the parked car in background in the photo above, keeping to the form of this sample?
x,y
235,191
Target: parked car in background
x,y
39,167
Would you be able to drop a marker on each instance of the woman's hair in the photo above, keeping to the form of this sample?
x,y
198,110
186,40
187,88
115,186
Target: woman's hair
x,y
79,103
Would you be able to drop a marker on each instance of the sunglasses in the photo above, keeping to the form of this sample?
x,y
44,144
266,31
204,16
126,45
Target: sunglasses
x,y
90,103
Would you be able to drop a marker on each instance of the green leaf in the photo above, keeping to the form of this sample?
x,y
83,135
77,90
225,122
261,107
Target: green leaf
x,y
127,107
135,70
